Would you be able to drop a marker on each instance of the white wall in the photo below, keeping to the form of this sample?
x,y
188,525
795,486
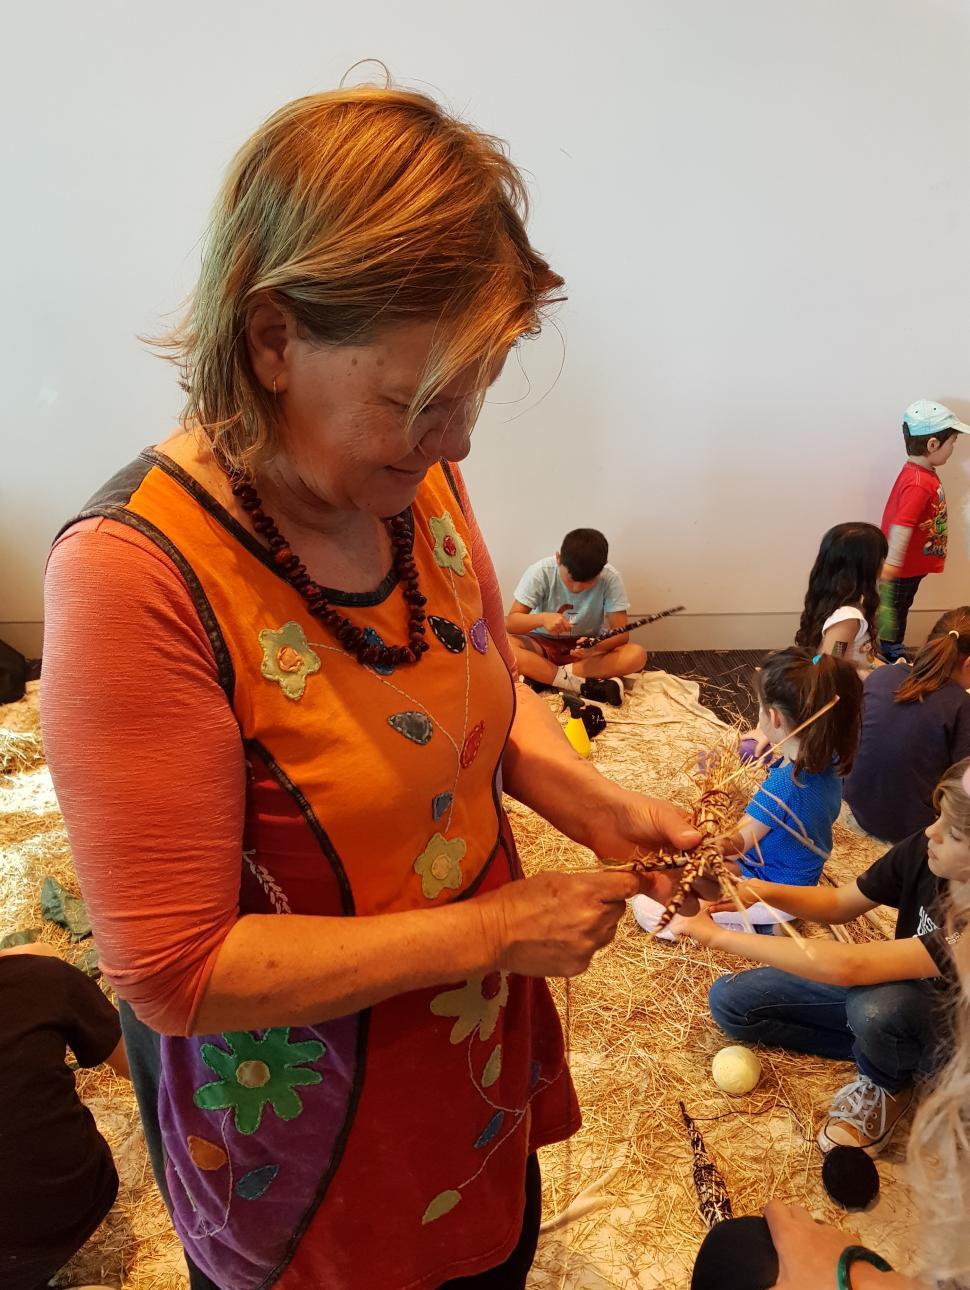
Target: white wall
x,y
761,208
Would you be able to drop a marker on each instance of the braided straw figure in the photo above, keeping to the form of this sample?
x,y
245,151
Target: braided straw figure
x,y
712,1195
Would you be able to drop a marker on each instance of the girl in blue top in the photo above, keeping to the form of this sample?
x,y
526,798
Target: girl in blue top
x,y
786,833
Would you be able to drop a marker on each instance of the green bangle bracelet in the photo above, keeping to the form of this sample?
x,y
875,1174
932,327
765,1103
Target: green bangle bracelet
x,y
858,1254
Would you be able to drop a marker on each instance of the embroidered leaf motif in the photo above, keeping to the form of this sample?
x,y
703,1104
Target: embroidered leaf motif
x,y
443,1203
490,1130
288,659
268,883
449,633
374,638
256,1071
473,741
440,804
205,1154
479,634
412,725
493,1067
252,1185
439,865
476,1004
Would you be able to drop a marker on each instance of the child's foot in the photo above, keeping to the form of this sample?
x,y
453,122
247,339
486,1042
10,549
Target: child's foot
x,y
863,1115
603,690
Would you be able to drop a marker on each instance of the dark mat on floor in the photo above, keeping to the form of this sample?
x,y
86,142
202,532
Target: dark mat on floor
x,y
724,676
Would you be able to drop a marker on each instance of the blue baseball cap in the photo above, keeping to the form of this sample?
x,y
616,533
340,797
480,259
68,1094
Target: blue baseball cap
x,y
925,418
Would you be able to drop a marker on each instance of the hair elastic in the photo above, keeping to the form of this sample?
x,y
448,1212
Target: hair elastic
x,y
816,659
953,633
858,1254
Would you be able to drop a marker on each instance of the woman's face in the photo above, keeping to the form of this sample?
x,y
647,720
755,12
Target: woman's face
x,y
344,438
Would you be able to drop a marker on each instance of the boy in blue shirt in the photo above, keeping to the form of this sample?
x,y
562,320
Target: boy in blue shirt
x,y
563,598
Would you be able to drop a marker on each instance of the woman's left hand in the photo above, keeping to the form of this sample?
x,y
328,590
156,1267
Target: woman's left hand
x,y
631,825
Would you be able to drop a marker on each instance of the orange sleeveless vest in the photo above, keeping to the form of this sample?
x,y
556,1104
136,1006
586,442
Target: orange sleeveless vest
x,y
387,1148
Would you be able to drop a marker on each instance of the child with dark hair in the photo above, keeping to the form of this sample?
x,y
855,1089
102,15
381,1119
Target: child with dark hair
x,y
57,1177
915,520
884,1004
842,600
915,723
563,598
786,833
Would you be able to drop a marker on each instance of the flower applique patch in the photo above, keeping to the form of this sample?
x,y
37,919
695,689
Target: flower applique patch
x,y
449,549
288,659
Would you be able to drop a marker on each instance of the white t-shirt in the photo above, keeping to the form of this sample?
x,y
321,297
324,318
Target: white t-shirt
x,y
860,647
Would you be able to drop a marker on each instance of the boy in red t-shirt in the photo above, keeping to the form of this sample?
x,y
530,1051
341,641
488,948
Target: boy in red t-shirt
x,y
914,520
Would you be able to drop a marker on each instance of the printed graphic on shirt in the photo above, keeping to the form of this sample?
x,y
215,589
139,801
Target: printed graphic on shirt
x,y
935,527
926,924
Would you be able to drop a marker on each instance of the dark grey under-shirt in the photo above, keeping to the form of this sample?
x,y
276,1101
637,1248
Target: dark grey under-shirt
x,y
904,749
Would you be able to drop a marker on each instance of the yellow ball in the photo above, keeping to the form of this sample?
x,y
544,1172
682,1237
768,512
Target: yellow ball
x,y
736,1070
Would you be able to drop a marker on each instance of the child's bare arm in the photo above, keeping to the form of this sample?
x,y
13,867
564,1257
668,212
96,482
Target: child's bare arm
x,y
520,620
839,637
744,837
117,1059
830,962
815,904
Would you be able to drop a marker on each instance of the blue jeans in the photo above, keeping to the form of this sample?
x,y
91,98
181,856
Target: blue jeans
x,y
892,1031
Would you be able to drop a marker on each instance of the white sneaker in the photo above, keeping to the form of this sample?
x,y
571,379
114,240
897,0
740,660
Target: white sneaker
x,y
630,682
863,1115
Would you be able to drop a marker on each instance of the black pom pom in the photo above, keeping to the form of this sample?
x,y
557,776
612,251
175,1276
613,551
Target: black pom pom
x,y
850,1177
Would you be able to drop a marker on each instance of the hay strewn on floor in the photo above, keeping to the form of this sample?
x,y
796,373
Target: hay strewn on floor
x,y
641,1038
640,1033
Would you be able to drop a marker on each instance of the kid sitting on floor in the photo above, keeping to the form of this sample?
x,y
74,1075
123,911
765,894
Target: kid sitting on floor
x,y
57,1177
563,598
915,723
786,833
842,600
914,520
881,1003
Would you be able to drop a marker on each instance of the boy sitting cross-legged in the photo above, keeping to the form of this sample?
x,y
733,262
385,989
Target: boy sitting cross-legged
x,y
560,600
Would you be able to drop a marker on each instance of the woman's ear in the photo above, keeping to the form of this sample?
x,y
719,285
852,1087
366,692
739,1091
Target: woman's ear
x,y
268,330
776,719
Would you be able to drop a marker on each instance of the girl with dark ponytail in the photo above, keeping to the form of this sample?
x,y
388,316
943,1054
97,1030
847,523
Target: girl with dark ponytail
x,y
915,723
842,599
802,794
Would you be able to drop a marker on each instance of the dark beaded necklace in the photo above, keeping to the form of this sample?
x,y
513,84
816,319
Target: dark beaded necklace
x,y
351,638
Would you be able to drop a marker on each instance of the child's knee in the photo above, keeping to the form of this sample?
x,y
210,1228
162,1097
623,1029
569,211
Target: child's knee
x,y
883,1009
638,656
726,1006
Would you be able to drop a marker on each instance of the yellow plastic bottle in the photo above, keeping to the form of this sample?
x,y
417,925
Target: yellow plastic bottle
x,y
577,736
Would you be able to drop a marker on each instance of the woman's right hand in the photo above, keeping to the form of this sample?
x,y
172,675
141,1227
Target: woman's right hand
x,y
553,924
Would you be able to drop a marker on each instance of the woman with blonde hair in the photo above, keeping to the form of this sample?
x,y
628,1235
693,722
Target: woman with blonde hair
x,y
915,723
280,712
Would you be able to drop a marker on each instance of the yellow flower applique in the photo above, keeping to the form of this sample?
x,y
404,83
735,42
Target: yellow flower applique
x,y
288,658
449,549
439,865
476,1005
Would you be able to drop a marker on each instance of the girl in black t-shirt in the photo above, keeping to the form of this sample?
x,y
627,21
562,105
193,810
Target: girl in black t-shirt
x,y
879,1003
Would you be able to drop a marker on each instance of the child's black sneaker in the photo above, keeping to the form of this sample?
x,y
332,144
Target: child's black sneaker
x,y
603,690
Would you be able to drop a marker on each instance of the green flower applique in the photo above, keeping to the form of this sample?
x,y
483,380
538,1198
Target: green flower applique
x,y
255,1072
476,1005
439,865
288,658
449,549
